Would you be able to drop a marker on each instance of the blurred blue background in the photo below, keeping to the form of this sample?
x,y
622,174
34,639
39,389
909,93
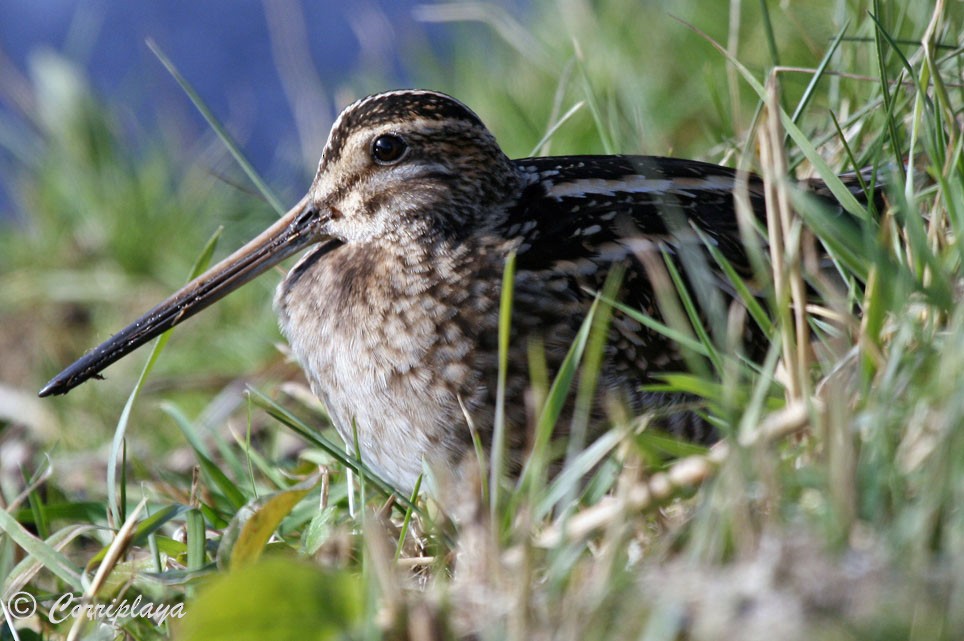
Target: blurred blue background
x,y
275,72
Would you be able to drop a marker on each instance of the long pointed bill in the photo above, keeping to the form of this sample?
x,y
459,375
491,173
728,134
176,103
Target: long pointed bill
x,y
296,230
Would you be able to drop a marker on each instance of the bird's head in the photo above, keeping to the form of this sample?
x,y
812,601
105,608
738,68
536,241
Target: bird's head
x,y
406,163
398,165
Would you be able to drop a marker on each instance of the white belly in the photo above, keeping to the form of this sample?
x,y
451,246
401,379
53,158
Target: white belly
x,y
385,361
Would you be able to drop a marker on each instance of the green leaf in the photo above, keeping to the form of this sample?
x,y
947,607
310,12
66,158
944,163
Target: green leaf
x,y
51,558
196,539
276,599
254,524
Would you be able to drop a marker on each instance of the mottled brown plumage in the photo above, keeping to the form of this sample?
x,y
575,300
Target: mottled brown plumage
x,y
394,314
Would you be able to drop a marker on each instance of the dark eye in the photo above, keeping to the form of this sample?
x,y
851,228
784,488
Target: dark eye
x,y
388,149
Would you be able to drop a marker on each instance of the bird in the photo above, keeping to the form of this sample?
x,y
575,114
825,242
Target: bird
x,y
393,312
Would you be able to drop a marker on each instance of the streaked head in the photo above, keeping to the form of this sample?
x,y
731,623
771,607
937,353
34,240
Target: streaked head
x,y
397,165
408,158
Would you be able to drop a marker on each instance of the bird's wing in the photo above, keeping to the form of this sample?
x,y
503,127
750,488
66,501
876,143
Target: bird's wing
x,y
579,215
577,208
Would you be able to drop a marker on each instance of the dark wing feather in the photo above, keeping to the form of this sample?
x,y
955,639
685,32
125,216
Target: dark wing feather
x,y
578,215
575,205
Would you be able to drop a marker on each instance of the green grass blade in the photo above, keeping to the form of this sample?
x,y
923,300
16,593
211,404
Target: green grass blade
x,y
880,34
538,462
818,75
117,444
313,436
222,133
51,559
497,468
744,293
833,182
692,310
407,520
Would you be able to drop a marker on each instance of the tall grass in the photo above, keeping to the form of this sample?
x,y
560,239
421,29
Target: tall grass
x,y
831,511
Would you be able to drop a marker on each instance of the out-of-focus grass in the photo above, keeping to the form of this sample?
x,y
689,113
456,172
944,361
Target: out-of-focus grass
x,y
849,528
647,83
108,223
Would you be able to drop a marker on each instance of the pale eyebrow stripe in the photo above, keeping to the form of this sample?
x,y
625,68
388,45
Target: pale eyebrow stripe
x,y
637,184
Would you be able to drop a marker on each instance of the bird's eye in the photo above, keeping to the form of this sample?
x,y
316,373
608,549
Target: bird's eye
x,y
388,149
